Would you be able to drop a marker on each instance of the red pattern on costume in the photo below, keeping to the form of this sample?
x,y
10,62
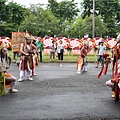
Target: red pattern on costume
x,y
84,51
23,64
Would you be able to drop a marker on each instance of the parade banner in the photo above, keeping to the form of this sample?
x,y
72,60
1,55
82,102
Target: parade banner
x,y
17,39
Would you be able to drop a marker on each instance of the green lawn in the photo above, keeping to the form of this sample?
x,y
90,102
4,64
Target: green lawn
x,y
67,58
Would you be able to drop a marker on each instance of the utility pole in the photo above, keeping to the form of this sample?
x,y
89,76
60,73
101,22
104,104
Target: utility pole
x,y
93,20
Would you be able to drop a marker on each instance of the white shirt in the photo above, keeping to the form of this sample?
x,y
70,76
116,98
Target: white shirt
x,y
101,49
60,46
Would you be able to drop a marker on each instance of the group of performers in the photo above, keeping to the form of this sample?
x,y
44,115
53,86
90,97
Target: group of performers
x,y
28,62
114,83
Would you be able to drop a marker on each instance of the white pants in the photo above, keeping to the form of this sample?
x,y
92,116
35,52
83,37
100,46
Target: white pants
x,y
25,73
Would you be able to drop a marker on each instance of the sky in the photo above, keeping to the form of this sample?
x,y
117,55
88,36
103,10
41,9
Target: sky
x,y
28,2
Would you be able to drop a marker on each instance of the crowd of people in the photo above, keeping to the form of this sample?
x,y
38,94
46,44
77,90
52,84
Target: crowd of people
x,y
31,53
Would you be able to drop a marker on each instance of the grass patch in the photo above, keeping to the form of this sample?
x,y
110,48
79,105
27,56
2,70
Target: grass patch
x,y
67,57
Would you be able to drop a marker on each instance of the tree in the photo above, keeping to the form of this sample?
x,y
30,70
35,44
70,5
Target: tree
x,y
11,15
37,18
64,11
109,11
86,27
3,12
76,28
15,13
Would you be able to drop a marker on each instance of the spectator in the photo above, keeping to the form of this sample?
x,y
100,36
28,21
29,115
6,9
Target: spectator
x,y
52,51
101,50
39,44
60,50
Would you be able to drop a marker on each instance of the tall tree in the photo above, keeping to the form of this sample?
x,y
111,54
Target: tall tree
x,y
3,12
11,15
108,9
76,29
86,26
15,13
64,10
37,18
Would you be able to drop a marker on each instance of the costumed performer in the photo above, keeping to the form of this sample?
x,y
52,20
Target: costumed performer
x,y
26,65
82,59
115,81
5,62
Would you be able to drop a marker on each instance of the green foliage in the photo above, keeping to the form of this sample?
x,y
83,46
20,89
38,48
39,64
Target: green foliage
x,y
61,18
36,18
76,29
84,26
64,11
109,11
11,15
3,12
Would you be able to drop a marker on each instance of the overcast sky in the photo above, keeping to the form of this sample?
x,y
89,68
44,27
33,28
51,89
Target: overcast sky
x,y
28,2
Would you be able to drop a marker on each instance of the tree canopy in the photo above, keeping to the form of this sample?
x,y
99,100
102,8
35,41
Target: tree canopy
x,y
61,18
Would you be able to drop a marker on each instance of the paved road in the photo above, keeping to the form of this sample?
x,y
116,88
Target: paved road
x,y
58,93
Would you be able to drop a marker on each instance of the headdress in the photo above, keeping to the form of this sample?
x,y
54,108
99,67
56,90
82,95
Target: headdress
x,y
86,42
2,45
27,36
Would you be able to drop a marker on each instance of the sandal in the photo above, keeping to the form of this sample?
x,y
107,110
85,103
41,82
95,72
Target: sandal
x,y
12,91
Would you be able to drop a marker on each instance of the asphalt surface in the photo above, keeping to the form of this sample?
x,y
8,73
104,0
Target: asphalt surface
x,y
59,93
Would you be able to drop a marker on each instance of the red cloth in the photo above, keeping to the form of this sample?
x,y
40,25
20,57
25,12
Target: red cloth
x,y
105,55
